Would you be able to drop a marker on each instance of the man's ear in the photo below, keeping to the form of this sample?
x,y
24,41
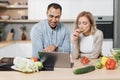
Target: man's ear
x,y
46,12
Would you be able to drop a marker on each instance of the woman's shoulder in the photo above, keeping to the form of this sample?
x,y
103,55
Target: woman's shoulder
x,y
98,32
63,26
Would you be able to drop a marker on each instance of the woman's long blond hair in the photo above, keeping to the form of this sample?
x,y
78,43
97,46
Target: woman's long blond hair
x,y
90,18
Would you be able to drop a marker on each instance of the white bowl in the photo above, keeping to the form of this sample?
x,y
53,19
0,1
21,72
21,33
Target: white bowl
x,y
5,17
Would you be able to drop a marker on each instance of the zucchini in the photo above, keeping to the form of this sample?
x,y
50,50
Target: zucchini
x,y
84,70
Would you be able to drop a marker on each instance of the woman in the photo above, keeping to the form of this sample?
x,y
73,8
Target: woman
x,y
86,39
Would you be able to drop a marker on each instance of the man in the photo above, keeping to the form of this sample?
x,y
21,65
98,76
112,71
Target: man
x,y
50,35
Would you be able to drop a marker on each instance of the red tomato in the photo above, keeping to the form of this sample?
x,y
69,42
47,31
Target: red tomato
x,y
34,59
84,60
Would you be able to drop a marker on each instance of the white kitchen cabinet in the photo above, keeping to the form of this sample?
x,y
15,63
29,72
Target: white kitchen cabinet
x,y
24,50
107,45
17,49
8,51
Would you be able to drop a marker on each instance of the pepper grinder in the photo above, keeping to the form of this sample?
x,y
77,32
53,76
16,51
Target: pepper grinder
x,y
10,35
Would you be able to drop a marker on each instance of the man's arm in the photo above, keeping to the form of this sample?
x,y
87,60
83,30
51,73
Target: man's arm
x,y
66,43
37,42
50,48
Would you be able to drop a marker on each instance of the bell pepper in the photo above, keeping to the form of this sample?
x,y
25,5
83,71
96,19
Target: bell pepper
x,y
103,60
110,64
98,64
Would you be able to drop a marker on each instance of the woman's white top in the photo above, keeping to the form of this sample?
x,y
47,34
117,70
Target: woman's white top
x,y
90,44
86,44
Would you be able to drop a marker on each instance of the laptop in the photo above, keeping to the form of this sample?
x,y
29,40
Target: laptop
x,y
55,59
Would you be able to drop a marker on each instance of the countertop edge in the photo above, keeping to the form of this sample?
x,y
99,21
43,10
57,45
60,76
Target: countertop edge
x,y
7,43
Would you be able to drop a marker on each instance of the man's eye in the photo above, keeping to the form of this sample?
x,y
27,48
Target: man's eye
x,y
51,16
57,16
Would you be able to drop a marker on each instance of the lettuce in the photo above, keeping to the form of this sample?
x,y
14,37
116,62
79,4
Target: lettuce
x,y
26,65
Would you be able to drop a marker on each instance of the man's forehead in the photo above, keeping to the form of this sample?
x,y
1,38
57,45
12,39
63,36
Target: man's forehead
x,y
53,10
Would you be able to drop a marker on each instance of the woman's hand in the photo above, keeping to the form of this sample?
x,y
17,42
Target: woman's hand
x,y
76,34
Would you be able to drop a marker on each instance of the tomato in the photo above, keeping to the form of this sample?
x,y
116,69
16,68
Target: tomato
x,y
84,60
34,59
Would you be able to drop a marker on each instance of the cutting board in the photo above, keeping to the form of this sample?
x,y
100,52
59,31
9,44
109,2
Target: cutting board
x,y
6,63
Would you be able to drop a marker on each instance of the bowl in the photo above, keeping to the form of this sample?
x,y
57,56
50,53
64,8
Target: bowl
x,y
5,17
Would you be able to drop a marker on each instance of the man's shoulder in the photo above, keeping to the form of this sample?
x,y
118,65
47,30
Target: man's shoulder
x,y
39,24
63,26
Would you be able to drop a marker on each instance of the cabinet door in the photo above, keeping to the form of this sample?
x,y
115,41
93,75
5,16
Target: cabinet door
x,y
13,50
8,51
24,50
107,45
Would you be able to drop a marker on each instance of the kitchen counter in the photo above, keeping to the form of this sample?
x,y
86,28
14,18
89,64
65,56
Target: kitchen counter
x,y
6,43
63,74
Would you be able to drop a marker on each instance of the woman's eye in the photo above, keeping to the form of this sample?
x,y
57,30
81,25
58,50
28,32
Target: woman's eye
x,y
85,23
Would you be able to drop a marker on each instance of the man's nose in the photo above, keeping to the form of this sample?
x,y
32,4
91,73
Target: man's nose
x,y
54,19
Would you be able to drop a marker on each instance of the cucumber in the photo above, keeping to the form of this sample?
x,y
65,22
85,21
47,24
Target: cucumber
x,y
84,70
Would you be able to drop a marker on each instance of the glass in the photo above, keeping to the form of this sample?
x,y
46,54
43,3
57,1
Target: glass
x,y
116,54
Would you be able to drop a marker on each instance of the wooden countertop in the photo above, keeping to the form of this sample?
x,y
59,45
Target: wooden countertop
x,y
6,43
63,74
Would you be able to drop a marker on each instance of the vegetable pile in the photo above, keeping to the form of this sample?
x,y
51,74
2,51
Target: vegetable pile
x,y
117,56
106,62
26,65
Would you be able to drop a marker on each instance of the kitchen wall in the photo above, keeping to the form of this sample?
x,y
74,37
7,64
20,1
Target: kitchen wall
x,y
37,10
16,27
71,8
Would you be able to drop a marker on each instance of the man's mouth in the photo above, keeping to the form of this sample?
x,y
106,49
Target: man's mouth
x,y
53,24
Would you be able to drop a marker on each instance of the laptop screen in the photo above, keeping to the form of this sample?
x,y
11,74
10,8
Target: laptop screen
x,y
55,59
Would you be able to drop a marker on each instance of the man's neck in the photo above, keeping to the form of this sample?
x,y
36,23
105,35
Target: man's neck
x,y
53,28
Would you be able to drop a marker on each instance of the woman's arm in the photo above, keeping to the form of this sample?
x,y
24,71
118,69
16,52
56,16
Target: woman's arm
x,y
75,49
97,47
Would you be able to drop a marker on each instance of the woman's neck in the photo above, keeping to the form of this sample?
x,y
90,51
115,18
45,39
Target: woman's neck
x,y
87,33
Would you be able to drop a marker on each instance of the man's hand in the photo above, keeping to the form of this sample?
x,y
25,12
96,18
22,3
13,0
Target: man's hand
x,y
50,48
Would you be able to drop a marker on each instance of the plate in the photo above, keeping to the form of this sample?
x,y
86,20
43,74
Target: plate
x,y
17,69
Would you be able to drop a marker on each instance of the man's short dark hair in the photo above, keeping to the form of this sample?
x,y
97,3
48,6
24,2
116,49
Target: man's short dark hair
x,y
54,5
